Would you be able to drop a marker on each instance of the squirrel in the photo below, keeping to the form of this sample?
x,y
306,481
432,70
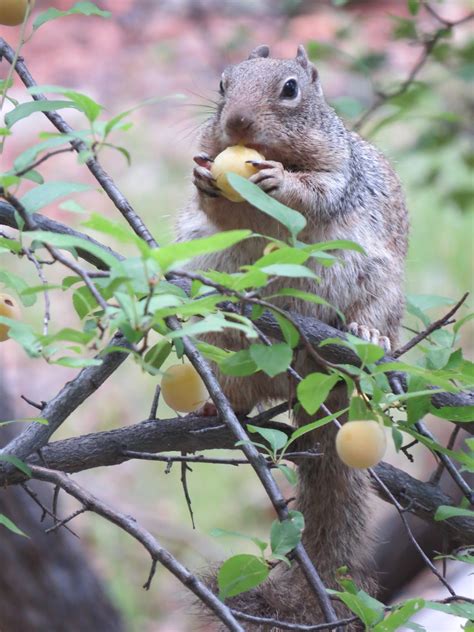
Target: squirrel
x,y
346,189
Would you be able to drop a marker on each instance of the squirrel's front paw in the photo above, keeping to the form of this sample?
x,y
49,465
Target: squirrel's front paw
x,y
202,176
270,175
371,335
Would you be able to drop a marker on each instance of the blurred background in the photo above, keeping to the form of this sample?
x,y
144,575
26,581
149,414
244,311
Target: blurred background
x,y
176,50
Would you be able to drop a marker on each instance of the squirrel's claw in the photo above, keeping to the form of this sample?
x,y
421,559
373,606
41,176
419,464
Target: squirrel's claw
x,y
371,335
270,175
205,181
203,160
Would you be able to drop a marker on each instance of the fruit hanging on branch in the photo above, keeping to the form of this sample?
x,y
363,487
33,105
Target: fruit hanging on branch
x,y
12,12
361,444
183,389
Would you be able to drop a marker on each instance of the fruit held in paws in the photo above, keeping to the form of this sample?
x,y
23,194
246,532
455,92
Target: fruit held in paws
x,y
234,159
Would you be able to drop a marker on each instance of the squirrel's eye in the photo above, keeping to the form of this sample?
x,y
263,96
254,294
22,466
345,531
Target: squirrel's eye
x,y
221,88
290,89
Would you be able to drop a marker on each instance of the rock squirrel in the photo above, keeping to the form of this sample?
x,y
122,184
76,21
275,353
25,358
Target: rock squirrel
x,y
346,190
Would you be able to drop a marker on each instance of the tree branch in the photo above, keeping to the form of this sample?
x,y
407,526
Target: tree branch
x,y
157,552
203,433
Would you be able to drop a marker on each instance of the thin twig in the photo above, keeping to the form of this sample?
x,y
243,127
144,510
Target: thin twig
x,y
297,627
61,523
47,303
414,541
154,403
437,324
448,464
184,484
436,477
34,496
42,159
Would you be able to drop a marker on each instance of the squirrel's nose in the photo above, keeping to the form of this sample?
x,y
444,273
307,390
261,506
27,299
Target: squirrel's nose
x,y
238,122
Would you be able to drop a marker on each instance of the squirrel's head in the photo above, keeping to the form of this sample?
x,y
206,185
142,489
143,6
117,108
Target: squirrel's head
x,y
268,103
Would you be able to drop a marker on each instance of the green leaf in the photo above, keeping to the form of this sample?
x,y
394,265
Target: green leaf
x,y
28,156
417,407
42,195
82,8
414,6
453,413
238,364
155,356
290,270
218,533
446,511
25,109
273,359
284,537
395,620
83,301
18,463
368,609
239,574
38,420
276,438
315,424
289,331
18,284
307,296
465,610
289,473
70,241
167,256
292,220
313,390
11,526
77,363
84,103
367,352
359,409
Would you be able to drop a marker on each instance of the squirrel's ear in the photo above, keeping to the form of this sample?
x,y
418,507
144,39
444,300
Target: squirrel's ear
x,y
260,51
302,59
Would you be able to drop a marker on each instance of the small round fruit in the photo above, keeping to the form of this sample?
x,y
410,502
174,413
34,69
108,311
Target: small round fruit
x,y
361,443
234,159
10,309
12,12
183,389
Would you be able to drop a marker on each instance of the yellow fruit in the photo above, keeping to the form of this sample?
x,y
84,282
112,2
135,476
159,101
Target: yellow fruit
x,y
183,389
234,159
10,309
12,12
361,443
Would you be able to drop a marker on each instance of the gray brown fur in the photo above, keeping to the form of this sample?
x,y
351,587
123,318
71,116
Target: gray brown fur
x,y
346,190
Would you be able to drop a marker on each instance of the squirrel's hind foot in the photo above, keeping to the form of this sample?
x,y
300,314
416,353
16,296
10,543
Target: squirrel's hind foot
x,y
370,335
